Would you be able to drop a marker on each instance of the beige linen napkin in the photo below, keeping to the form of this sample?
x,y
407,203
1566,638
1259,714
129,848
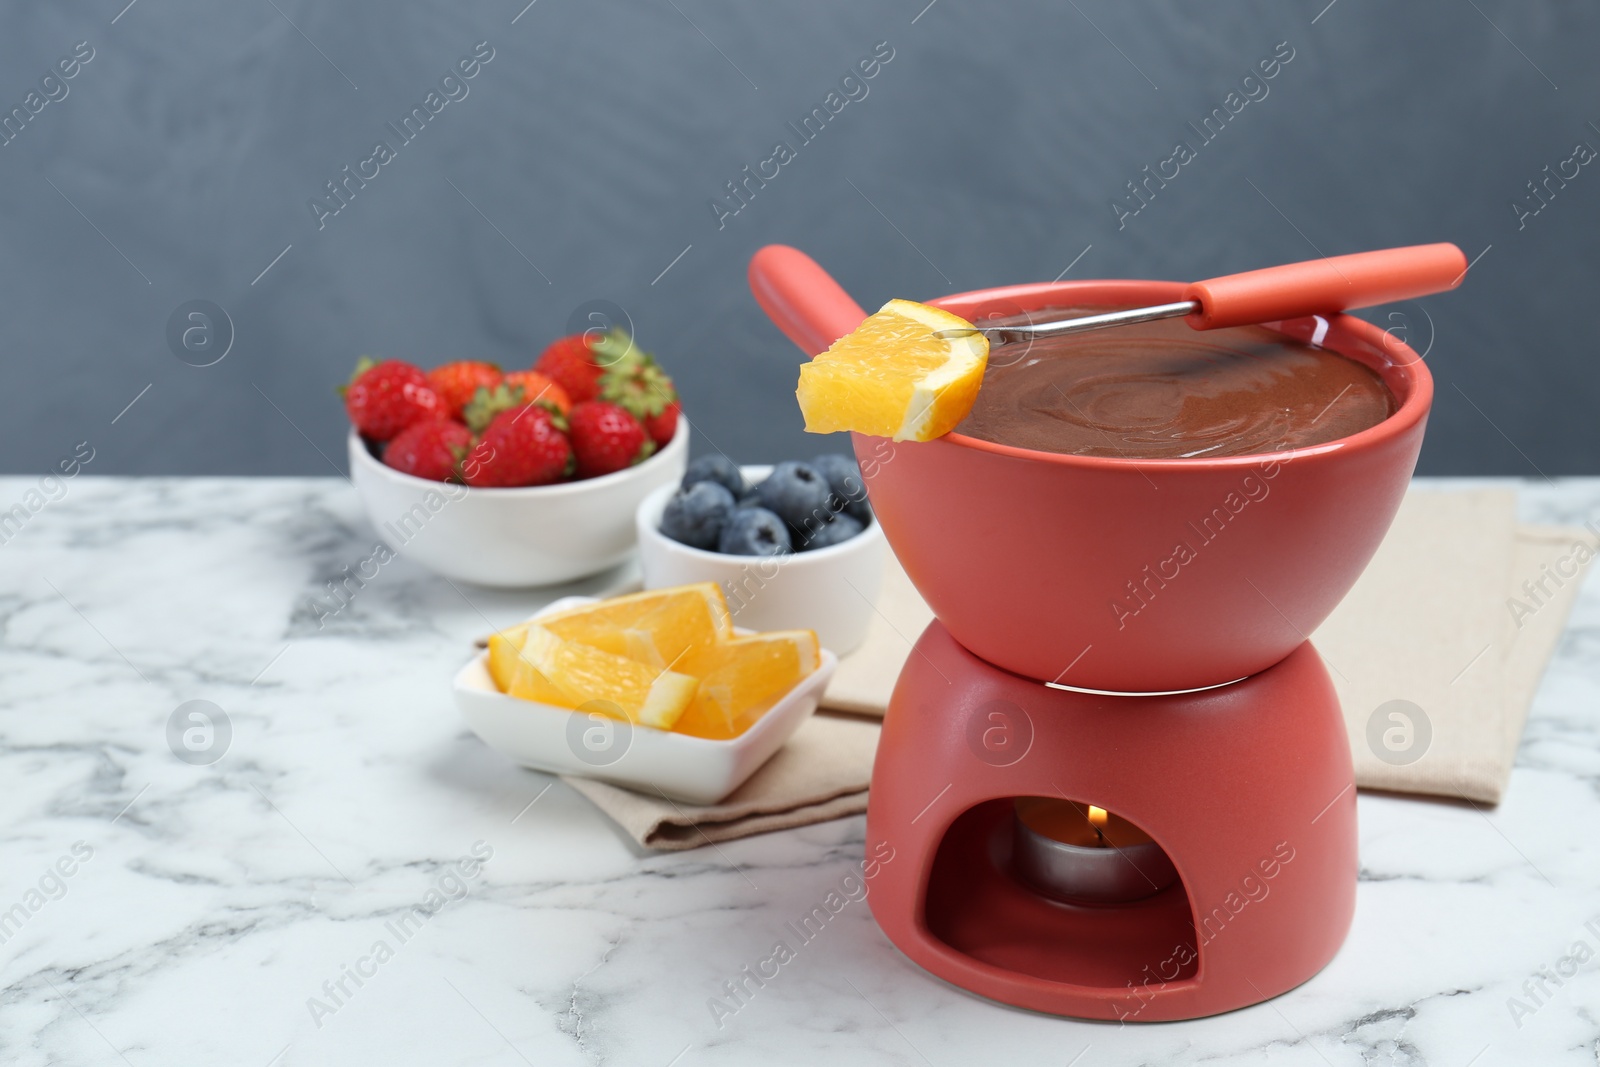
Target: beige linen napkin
x,y
1429,623
820,774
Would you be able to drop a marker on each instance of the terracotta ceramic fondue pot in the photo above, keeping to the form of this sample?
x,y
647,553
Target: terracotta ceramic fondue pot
x,y
1133,576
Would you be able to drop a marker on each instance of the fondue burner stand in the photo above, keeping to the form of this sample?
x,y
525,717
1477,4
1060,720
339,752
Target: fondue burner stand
x,y
1139,858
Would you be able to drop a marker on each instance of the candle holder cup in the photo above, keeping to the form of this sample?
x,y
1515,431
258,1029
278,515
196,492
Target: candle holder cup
x,y
1060,850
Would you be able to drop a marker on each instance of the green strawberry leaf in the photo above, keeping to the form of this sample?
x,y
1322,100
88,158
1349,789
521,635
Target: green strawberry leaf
x,y
613,348
636,383
486,404
363,364
557,417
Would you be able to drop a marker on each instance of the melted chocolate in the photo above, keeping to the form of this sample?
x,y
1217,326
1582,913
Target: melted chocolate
x,y
1163,390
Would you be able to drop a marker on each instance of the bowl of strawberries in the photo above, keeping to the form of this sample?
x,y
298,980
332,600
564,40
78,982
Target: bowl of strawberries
x,y
515,478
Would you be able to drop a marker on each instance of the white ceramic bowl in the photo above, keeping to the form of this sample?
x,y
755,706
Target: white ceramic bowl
x,y
539,535
830,590
561,741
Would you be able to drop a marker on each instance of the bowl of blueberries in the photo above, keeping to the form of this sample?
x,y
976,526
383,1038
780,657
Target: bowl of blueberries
x,y
794,546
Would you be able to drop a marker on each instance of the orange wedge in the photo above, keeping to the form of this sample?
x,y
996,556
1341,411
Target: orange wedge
x,y
893,377
505,648
658,627
515,675
742,678
593,679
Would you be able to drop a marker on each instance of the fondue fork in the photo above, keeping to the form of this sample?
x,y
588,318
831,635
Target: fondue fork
x,y
1315,287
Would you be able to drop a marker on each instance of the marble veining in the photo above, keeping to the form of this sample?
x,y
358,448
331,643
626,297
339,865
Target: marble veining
x,y
233,911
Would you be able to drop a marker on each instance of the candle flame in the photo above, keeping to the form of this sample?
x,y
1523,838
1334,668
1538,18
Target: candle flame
x,y
1097,817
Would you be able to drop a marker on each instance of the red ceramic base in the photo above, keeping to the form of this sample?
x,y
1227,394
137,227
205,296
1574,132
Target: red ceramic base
x,y
1247,787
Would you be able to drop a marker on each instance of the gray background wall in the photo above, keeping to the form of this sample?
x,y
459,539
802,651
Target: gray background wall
x,y
991,145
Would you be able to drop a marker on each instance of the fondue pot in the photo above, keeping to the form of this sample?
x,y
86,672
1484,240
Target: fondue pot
x,y
1132,576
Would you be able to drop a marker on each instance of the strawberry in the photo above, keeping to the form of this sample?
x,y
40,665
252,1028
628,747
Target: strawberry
x,y
661,427
432,449
457,383
384,398
606,438
522,446
612,368
571,364
540,389
632,379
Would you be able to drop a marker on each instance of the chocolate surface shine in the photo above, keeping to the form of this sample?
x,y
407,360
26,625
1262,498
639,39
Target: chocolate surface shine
x,y
1163,390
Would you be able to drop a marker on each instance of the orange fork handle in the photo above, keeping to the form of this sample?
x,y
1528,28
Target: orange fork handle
x,y
1325,286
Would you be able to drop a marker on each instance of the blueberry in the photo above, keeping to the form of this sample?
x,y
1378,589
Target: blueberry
x,y
835,531
844,479
797,493
754,532
716,468
695,516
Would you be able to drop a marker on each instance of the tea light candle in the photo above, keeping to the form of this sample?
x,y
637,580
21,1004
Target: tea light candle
x,y
1081,853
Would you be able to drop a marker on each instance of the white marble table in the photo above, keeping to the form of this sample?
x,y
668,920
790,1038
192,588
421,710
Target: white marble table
x,y
206,906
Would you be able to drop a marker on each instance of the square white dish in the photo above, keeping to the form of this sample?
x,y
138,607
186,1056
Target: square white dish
x,y
677,766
